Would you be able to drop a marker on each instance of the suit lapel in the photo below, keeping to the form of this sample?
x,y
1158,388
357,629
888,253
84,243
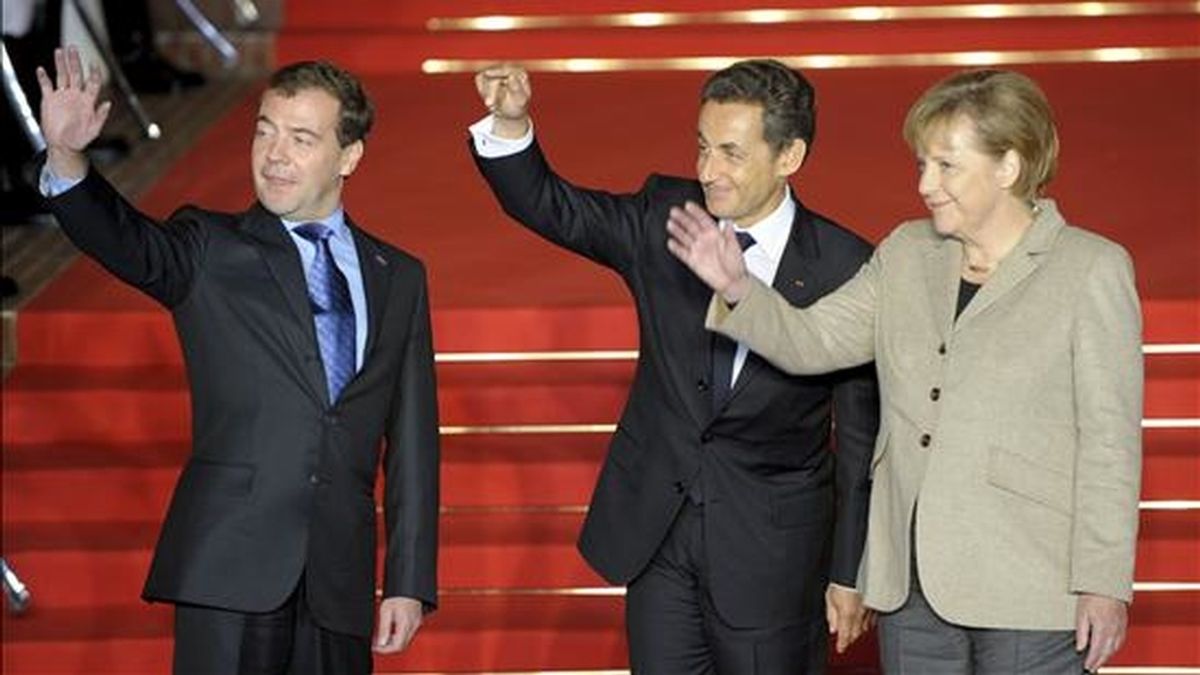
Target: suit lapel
x,y
279,253
943,269
793,279
375,265
1018,264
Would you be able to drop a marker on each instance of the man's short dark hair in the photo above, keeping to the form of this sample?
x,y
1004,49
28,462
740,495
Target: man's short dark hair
x,y
787,99
356,111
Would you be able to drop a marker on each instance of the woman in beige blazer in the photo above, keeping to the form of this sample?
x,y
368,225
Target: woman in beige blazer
x,y
1009,357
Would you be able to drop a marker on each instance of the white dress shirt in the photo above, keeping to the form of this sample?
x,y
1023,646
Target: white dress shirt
x,y
762,259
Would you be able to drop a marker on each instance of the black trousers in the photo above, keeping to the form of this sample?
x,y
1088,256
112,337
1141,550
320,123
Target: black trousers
x,y
285,641
674,628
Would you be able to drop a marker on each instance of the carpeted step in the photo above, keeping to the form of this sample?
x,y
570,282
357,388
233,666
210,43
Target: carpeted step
x,y
1167,549
495,633
110,656
86,563
382,49
151,404
99,495
67,337
556,476
1171,463
44,483
483,551
146,338
412,15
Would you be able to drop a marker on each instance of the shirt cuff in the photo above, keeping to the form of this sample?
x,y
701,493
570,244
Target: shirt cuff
x,y
844,587
491,146
51,185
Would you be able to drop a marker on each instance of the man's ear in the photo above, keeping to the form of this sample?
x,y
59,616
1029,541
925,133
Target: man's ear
x,y
351,154
791,157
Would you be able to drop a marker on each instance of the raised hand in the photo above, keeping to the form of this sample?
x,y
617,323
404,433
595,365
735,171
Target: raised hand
x,y
505,91
709,251
70,117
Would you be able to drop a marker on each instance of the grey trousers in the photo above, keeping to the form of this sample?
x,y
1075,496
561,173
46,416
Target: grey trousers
x,y
914,640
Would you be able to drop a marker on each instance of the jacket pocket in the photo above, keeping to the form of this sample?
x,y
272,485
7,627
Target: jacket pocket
x,y
1021,476
207,478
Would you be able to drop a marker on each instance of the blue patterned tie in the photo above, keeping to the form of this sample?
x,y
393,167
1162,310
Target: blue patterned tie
x,y
724,349
329,295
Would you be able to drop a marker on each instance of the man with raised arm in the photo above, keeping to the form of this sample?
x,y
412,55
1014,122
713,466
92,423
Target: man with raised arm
x,y
720,504
307,345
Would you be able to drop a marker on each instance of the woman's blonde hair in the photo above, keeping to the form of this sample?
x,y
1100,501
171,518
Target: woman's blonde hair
x,y
1009,112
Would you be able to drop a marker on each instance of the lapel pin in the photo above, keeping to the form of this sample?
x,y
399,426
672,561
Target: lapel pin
x,y
380,259
799,283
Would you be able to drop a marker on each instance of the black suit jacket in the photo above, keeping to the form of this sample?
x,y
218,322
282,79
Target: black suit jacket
x,y
279,481
781,515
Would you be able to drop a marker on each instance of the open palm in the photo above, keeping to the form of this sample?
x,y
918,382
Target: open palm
x,y
71,119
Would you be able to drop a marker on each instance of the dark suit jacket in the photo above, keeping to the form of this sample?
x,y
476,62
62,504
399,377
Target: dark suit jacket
x,y
772,490
279,481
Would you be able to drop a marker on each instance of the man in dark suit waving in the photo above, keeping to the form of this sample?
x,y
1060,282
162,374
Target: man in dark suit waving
x,y
719,504
307,343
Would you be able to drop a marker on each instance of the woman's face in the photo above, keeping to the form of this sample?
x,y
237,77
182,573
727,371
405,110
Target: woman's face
x,y
962,186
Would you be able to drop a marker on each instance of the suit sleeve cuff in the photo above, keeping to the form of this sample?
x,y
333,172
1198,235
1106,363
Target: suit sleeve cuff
x,y
491,146
51,185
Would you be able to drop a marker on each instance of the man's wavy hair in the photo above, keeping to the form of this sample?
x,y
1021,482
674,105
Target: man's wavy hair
x,y
356,113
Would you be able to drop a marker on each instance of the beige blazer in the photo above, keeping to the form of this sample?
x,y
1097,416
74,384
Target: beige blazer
x,y
1014,432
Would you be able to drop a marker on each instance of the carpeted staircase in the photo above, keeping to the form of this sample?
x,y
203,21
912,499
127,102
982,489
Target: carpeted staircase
x,y
535,346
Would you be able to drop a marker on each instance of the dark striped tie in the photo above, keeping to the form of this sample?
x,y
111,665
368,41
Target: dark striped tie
x,y
725,350
333,312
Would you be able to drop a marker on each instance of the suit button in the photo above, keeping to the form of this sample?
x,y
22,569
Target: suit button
x,y
701,385
331,419
935,394
679,487
706,437
942,349
314,479
926,439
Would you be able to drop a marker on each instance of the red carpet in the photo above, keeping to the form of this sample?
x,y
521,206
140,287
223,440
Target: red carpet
x,y
95,418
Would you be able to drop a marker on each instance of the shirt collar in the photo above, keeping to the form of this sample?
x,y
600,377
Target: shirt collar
x,y
335,221
772,232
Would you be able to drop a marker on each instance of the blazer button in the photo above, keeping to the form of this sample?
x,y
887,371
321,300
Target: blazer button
x,y
706,437
314,479
942,349
926,439
678,487
331,419
935,394
701,385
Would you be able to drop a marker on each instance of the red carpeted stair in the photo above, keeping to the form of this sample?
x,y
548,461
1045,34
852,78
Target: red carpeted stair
x,y
95,416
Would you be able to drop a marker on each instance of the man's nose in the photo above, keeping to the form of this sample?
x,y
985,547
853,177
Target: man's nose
x,y
705,168
276,150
